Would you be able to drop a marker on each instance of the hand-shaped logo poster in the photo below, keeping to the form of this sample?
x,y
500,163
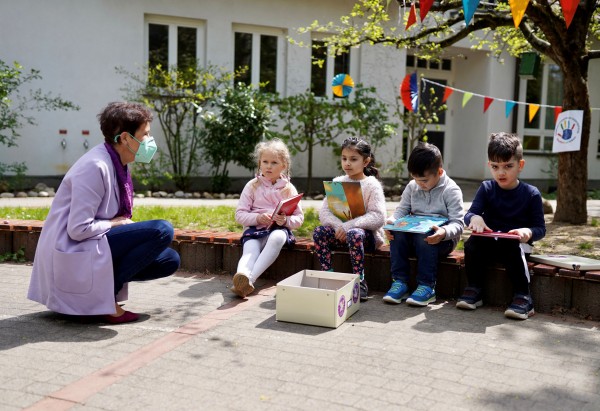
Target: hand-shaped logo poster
x,y
567,132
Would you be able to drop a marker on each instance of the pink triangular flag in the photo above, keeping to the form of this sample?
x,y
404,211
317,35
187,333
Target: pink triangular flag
x,y
412,16
533,109
517,8
424,6
447,93
486,103
569,7
557,111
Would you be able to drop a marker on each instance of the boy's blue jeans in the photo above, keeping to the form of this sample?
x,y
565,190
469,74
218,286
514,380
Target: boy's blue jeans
x,y
140,251
405,245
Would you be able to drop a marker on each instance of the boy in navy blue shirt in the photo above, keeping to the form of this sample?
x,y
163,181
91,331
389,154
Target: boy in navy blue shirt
x,y
507,205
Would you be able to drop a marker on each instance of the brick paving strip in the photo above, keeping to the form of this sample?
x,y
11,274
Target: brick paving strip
x,y
79,391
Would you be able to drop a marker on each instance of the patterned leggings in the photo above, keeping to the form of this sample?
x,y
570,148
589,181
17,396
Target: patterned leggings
x,y
357,239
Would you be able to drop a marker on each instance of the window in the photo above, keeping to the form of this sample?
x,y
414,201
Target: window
x,y
258,52
174,42
322,76
443,64
546,88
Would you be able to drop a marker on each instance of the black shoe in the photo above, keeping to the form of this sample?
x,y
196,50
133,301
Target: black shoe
x,y
364,290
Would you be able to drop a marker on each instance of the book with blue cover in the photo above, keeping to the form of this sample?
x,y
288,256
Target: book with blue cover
x,y
416,223
345,199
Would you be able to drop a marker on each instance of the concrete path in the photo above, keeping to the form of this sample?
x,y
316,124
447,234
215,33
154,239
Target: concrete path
x,y
198,348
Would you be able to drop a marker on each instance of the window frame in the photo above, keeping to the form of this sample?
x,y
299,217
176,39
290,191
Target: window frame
x,y
330,66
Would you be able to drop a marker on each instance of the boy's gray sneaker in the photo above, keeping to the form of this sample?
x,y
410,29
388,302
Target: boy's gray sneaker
x,y
470,299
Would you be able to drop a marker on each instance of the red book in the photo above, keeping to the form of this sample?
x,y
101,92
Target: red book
x,y
286,207
496,234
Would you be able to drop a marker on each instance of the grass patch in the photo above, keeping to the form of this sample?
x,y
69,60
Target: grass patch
x,y
585,246
219,218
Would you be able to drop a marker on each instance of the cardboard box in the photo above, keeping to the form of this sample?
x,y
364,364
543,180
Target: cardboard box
x,y
323,298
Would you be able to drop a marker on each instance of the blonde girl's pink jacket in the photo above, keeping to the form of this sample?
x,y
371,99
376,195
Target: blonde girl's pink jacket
x,y
72,269
263,198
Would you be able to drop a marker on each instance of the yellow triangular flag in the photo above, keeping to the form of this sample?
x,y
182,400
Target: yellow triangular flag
x,y
517,8
466,97
533,109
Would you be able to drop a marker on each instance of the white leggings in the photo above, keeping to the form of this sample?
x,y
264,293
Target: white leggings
x,y
260,253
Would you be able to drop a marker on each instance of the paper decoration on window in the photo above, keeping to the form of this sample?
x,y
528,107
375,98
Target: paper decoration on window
x,y
424,6
517,8
567,132
447,92
533,109
409,92
508,107
469,7
487,101
466,97
412,17
569,7
342,85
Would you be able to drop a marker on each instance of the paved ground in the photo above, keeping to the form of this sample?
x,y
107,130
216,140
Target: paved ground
x,y
199,348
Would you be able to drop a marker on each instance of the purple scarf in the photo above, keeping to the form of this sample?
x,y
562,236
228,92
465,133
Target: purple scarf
x,y
124,182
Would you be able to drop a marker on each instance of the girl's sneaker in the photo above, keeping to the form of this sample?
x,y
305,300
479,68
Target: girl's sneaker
x,y
397,293
242,285
521,307
364,290
470,299
422,296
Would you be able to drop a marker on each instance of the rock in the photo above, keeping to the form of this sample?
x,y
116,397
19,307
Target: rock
x,y
148,193
207,195
222,196
547,207
156,194
396,198
196,194
41,187
21,194
32,194
179,194
318,197
7,195
163,194
140,195
230,196
187,195
43,194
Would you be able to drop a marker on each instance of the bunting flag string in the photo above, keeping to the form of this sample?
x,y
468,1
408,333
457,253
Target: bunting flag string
x,y
509,104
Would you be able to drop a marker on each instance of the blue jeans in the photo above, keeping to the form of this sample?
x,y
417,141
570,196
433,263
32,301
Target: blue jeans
x,y
140,251
405,245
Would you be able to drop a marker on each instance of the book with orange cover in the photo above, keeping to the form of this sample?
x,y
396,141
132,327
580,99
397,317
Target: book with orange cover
x,y
345,199
286,207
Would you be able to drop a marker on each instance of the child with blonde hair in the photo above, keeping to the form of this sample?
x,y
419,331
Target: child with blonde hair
x,y
360,234
261,243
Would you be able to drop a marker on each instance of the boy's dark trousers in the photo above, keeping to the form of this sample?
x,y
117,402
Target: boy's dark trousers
x,y
480,252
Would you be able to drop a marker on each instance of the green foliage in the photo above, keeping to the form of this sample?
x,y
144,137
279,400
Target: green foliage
x,y
309,121
594,222
153,175
586,245
17,257
178,97
242,117
22,213
14,106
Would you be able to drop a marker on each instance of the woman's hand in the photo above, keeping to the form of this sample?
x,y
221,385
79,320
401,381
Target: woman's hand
x,y
120,221
279,219
263,219
340,234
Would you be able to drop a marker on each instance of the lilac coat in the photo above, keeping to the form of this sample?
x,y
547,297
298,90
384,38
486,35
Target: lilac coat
x,y
72,269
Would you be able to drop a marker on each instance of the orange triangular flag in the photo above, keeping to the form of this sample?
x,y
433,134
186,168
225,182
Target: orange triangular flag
x,y
569,7
557,111
533,109
447,93
412,16
517,8
424,6
486,103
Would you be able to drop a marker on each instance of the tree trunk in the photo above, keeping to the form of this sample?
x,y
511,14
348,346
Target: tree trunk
x,y
310,161
571,204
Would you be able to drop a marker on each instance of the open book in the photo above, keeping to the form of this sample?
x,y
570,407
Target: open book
x,y
286,207
571,262
416,223
345,199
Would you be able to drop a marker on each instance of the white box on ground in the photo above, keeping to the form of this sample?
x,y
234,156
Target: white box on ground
x,y
323,298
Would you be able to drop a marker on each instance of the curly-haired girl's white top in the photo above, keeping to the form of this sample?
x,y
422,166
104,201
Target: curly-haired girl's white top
x,y
373,219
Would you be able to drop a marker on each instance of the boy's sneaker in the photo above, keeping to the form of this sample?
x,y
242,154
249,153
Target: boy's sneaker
x,y
470,299
521,307
422,296
242,285
364,290
397,293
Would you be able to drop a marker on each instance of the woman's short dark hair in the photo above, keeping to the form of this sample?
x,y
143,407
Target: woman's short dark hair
x,y
425,158
364,149
120,116
504,146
